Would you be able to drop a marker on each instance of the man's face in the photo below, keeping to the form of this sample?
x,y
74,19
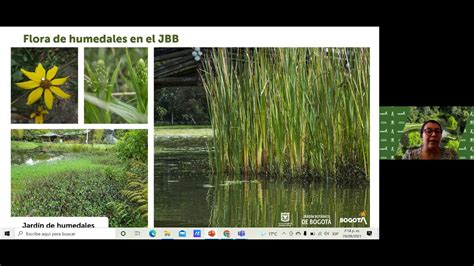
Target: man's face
x,y
432,135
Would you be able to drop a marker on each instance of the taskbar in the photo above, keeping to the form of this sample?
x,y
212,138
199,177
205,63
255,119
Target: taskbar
x,y
174,233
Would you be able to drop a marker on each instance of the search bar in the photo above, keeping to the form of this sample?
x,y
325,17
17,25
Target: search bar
x,y
87,233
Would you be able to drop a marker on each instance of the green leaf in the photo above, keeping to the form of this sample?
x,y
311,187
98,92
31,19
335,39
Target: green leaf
x,y
127,112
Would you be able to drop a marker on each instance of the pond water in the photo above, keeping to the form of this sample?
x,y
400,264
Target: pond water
x,y
32,157
187,195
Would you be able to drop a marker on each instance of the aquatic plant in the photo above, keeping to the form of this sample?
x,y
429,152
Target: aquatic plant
x,y
288,111
103,99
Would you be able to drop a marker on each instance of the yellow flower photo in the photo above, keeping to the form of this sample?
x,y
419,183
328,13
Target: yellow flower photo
x,y
42,81
44,85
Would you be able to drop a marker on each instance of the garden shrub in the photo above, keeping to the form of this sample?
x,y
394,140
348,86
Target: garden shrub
x,y
133,145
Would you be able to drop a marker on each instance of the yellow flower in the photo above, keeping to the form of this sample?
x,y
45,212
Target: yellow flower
x,y
38,115
43,81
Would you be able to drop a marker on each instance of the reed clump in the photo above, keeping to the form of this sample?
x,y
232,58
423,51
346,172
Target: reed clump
x,y
289,112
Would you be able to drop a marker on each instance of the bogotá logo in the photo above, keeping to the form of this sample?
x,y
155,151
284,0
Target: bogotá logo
x,y
285,217
355,220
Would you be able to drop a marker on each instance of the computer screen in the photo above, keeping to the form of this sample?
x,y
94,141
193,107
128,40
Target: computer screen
x,y
176,133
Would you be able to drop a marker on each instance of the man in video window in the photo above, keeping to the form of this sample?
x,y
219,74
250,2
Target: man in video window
x,y
431,132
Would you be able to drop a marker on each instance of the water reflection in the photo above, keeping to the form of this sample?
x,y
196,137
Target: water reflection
x,y
186,195
181,179
274,203
32,157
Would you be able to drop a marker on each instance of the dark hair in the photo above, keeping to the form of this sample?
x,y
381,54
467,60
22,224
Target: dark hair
x,y
429,121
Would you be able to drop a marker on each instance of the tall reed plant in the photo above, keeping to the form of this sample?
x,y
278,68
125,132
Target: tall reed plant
x,y
289,112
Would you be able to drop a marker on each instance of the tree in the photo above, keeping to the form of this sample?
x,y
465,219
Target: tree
x,y
98,135
160,112
184,105
18,134
91,136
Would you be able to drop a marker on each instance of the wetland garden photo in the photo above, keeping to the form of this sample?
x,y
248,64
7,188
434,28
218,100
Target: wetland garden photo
x,y
261,137
80,173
